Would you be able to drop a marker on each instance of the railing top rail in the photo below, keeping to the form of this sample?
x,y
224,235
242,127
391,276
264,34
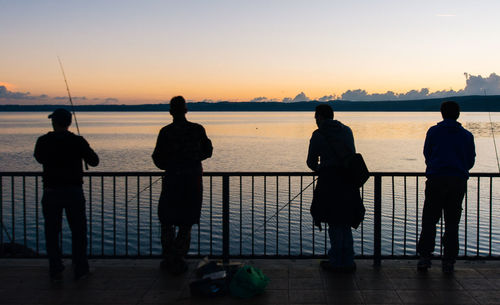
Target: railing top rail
x,y
249,174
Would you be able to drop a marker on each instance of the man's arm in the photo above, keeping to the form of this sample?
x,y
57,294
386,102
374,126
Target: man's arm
x,y
158,153
313,154
206,145
472,152
89,155
39,152
428,146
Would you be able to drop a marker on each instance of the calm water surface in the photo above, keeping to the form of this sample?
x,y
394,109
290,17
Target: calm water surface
x,y
245,141
251,141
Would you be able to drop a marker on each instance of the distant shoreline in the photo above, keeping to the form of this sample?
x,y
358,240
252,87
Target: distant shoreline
x,y
476,103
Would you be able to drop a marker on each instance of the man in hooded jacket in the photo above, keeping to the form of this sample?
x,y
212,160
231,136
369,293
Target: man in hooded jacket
x,y
335,197
180,148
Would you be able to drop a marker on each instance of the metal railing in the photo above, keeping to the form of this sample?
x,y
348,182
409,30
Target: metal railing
x,y
250,215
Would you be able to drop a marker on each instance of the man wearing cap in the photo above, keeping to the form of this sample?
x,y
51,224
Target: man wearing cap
x,y
180,148
61,153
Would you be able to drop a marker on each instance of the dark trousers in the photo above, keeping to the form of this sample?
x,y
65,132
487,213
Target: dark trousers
x,y
54,201
442,194
175,246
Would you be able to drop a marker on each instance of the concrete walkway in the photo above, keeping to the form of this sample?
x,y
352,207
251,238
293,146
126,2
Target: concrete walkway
x,y
118,281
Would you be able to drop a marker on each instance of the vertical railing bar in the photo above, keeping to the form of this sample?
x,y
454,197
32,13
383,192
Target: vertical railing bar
x,y
253,212
441,233
241,215
211,215
265,215
406,217
277,214
36,213
138,215
150,215
24,212
126,215
313,230
102,215
13,190
300,212
114,215
199,229
225,218
393,215
1,213
416,218
478,212
362,226
289,214
466,213
377,214
90,216
491,212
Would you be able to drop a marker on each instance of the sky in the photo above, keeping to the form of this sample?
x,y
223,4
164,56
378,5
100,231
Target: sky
x,y
131,52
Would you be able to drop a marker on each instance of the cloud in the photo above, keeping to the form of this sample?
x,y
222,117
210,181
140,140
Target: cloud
x,y
301,97
6,94
475,85
58,98
111,100
481,85
259,99
327,98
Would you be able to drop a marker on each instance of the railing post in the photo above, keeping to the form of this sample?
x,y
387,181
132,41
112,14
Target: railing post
x,y
377,215
225,218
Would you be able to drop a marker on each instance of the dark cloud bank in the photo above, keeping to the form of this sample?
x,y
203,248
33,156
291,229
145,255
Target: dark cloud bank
x,y
475,85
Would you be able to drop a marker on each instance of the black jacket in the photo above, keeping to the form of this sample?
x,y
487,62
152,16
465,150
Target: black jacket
x,y
61,155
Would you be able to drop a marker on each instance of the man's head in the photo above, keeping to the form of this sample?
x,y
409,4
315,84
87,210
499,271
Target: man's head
x,y
61,119
450,110
178,106
323,112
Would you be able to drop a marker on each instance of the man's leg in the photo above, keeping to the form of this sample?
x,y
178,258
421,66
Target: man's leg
x,y
167,243
77,220
348,248
181,247
52,213
452,214
430,217
336,243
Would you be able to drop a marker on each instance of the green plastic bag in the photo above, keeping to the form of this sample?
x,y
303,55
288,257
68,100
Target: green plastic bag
x,y
247,282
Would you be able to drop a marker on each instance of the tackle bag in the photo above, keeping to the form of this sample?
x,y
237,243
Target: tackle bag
x,y
247,282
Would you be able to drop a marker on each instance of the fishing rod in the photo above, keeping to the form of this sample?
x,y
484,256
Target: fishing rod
x,y
7,233
494,141
71,103
287,204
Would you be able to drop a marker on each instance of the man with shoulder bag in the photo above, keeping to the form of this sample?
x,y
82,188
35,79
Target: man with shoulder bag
x,y
336,199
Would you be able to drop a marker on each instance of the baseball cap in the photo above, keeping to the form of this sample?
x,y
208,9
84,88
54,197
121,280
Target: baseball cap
x,y
61,116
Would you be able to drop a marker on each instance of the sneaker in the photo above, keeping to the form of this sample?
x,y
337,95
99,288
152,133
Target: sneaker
x,y
56,276
424,263
81,274
448,267
327,266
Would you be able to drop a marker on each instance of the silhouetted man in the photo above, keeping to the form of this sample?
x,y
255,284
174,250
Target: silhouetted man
x,y
180,148
449,155
61,153
335,196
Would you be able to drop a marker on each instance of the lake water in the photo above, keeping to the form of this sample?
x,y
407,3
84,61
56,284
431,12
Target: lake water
x,y
265,141
245,141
